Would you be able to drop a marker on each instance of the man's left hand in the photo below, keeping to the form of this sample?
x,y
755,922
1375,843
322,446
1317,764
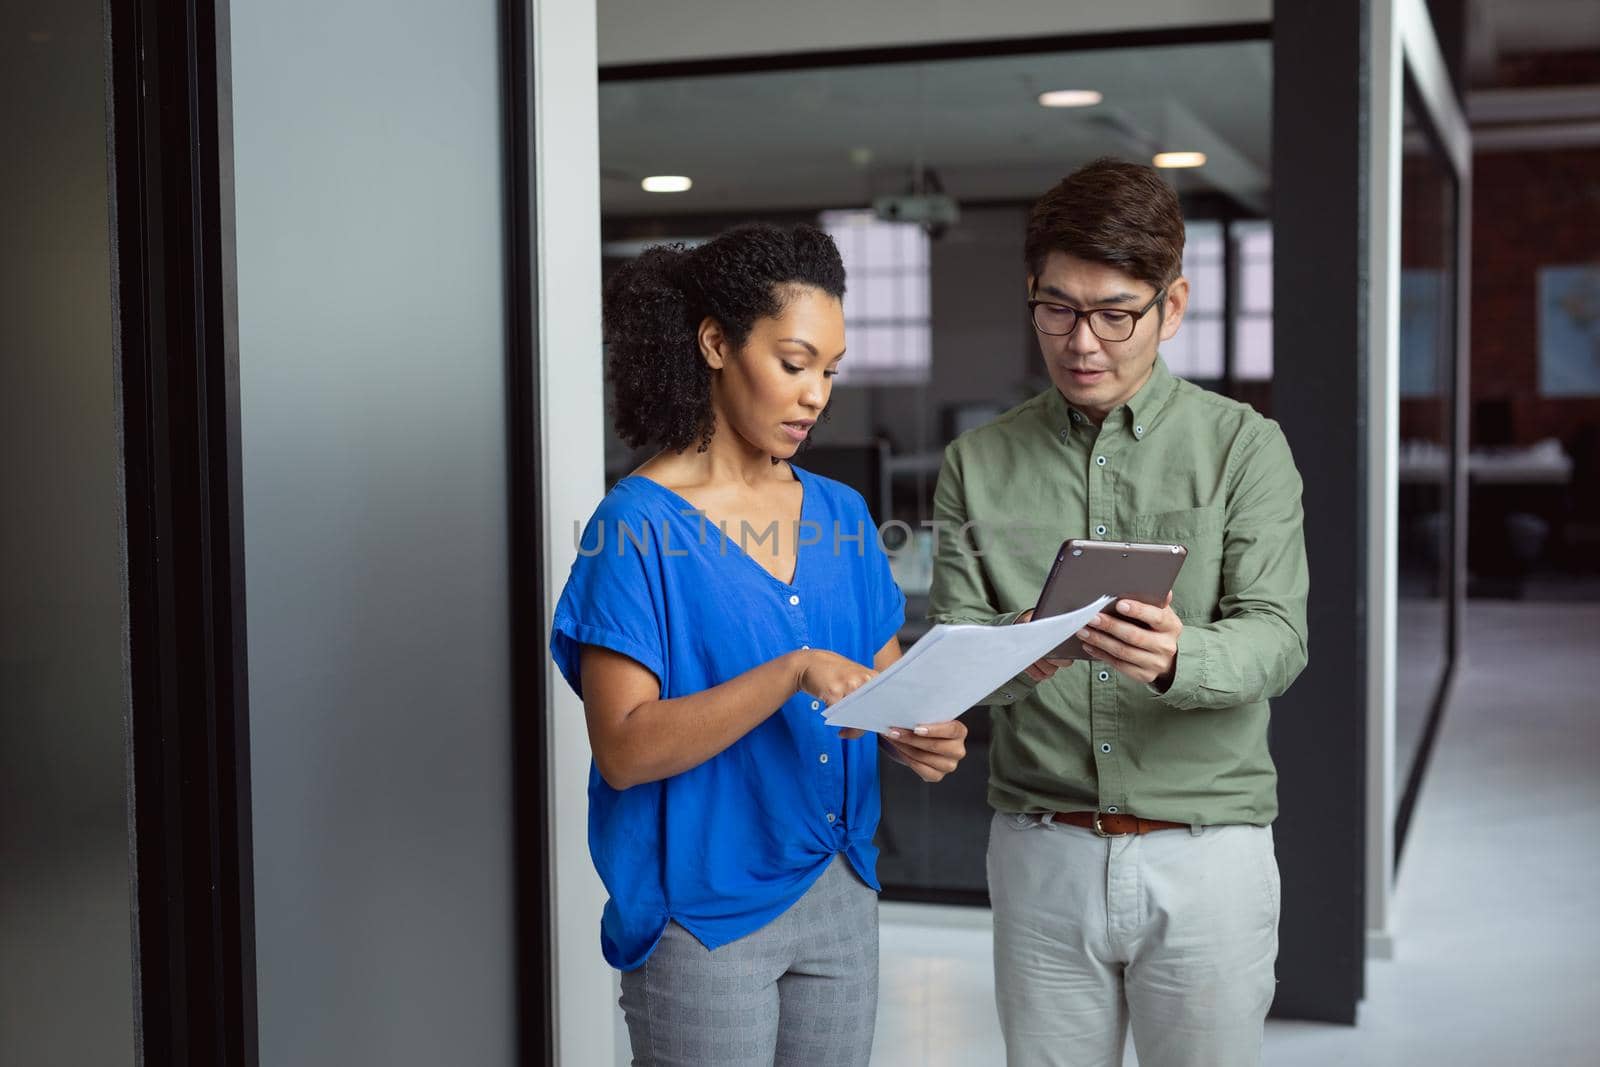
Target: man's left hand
x,y
1145,648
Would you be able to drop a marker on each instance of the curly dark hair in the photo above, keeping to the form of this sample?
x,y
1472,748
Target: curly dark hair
x,y
661,385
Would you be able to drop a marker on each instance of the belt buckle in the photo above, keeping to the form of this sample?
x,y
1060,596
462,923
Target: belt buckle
x,y
1099,831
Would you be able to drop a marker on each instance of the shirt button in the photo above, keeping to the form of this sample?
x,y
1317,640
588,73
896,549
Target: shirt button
x,y
1112,810
1005,695
1138,431
1105,676
1105,747
822,758
1100,531
831,816
1100,461
805,648
1066,432
1076,417
794,600
815,704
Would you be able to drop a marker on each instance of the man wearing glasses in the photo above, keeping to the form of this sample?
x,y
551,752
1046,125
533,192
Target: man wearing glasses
x,y
1131,865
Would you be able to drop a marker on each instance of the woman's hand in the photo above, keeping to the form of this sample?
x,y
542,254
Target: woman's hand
x,y
931,750
829,676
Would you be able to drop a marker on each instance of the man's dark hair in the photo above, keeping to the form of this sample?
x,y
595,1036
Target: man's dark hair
x,y
654,305
1113,212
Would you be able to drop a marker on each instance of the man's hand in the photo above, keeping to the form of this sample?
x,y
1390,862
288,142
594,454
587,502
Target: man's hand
x,y
1145,649
931,751
1041,670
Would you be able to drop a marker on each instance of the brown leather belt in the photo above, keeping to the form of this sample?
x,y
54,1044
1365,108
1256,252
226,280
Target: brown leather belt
x,y
1107,824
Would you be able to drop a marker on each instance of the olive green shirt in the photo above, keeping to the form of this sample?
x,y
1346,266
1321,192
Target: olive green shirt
x,y
1176,464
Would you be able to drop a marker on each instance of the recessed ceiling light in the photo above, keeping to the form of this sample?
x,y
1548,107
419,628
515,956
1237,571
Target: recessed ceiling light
x,y
1174,160
1070,98
666,183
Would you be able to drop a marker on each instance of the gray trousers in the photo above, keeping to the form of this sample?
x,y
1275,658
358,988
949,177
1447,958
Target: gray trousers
x,y
800,991
1174,932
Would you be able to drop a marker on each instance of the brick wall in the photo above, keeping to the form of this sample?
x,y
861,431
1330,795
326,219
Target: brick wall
x,y
1529,210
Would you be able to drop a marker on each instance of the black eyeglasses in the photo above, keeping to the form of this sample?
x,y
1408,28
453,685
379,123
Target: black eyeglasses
x,y
1108,324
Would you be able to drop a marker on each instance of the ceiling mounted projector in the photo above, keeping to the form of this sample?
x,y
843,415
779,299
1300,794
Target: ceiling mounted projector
x,y
932,209
924,203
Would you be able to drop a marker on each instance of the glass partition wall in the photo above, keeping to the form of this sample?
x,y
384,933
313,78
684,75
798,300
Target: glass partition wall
x,y
1430,450
939,336
1428,192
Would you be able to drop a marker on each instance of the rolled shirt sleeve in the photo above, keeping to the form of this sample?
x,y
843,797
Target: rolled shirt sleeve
x,y
1258,645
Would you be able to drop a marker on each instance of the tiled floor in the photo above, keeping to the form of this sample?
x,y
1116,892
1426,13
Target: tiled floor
x,y
1496,924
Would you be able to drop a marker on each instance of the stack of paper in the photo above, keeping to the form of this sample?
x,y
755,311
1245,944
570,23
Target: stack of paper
x,y
953,667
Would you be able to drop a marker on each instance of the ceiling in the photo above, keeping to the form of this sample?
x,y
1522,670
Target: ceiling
x,y
1497,28
839,136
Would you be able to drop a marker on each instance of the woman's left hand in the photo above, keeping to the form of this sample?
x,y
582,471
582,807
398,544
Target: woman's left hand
x,y
931,750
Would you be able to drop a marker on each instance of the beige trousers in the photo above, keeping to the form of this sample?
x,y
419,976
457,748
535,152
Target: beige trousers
x,y
1174,932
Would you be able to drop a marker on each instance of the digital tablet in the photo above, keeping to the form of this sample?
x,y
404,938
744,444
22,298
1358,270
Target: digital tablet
x,y
1086,570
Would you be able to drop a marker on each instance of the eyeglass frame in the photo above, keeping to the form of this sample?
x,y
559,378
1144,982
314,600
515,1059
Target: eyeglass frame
x,y
1086,316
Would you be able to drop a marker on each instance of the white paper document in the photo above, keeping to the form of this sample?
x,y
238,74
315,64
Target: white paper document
x,y
952,668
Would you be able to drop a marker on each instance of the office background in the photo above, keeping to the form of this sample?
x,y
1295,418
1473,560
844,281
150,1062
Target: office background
x,y
304,396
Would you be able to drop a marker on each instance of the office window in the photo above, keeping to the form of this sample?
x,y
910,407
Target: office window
x,y
886,306
1252,317
1196,351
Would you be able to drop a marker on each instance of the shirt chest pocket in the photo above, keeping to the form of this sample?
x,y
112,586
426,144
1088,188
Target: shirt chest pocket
x,y
1198,590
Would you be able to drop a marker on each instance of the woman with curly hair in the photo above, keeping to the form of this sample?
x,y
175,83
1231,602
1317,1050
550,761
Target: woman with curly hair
x,y
721,598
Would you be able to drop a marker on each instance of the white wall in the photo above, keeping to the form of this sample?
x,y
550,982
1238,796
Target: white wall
x,y
640,31
1383,421
571,420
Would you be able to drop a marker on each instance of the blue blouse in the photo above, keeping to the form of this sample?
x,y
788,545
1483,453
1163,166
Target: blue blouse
x,y
727,846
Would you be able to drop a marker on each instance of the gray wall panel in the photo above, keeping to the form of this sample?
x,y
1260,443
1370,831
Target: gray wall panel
x,y
372,380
